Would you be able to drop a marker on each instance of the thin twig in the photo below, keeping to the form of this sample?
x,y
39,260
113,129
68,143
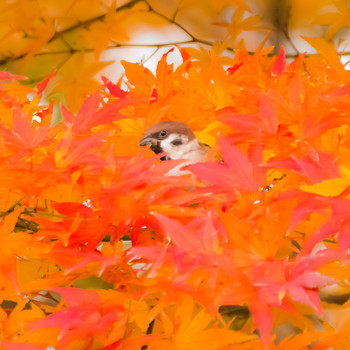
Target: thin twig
x,y
171,20
88,22
143,61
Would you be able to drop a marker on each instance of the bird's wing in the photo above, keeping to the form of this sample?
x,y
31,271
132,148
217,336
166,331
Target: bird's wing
x,y
211,153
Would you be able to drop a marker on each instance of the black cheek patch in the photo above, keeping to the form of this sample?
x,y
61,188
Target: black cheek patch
x,y
176,142
157,149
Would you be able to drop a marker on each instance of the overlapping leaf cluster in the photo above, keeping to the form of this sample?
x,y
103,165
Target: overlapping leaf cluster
x,y
235,256
84,38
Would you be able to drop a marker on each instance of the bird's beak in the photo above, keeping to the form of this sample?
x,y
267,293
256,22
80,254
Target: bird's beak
x,y
147,140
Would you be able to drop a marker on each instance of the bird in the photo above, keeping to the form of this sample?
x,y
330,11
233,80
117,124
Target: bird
x,y
178,141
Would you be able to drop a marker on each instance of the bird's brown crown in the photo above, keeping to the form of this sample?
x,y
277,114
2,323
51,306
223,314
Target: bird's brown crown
x,y
171,127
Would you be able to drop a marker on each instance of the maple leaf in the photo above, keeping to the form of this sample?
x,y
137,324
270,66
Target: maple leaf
x,y
328,188
335,20
189,331
15,246
42,86
303,281
110,29
266,120
9,76
238,24
338,223
141,78
25,135
188,237
237,172
280,64
336,220
73,164
164,81
214,6
317,166
227,240
114,89
91,114
192,333
83,305
300,279
203,58
79,226
19,346
42,33
263,318
301,341
70,209
11,244
78,80
308,204
327,49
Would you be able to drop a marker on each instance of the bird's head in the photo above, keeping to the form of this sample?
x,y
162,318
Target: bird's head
x,y
174,138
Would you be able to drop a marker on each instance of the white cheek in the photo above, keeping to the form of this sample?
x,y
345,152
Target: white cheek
x,y
167,145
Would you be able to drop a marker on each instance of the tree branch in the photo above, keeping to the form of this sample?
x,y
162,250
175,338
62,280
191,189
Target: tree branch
x,y
171,20
90,21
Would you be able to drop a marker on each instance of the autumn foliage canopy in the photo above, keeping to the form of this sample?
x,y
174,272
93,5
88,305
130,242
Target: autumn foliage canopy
x,y
101,249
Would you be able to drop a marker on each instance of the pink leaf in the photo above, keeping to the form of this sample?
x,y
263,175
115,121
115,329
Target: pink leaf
x,y
306,297
72,209
42,86
310,204
237,172
245,123
178,233
317,167
77,297
19,346
9,76
238,163
24,133
234,68
263,318
86,113
280,63
67,116
114,89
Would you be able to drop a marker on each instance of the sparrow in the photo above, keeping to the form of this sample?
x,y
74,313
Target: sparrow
x,y
178,141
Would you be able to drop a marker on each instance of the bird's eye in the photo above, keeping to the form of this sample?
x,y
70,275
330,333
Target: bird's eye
x,y
163,133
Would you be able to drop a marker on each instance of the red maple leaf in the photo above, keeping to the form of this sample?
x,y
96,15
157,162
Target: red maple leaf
x,y
83,306
237,172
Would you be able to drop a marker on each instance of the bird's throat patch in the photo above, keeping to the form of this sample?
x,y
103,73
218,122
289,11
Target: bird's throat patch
x,y
156,148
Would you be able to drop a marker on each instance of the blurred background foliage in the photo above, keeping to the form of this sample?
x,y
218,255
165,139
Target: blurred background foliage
x,y
81,40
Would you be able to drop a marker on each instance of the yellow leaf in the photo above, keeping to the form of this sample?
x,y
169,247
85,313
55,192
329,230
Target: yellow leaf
x,y
237,16
321,45
335,20
240,24
78,80
140,77
9,222
112,28
327,18
328,188
327,49
204,136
